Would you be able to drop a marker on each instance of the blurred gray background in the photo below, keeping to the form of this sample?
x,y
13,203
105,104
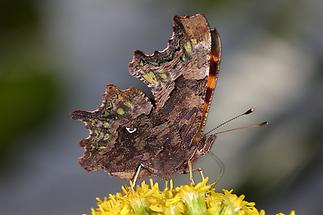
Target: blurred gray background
x,y
58,55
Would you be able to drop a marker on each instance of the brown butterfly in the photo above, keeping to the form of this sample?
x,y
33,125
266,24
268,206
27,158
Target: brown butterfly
x,y
163,135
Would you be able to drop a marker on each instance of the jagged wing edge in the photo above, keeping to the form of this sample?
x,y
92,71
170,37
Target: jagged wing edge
x,y
80,113
137,54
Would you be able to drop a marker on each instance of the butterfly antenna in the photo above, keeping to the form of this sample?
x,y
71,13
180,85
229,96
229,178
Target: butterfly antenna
x,y
249,111
244,127
220,164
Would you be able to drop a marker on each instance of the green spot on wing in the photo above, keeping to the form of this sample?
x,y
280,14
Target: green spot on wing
x,y
106,125
188,47
183,58
128,104
154,63
194,41
163,76
106,136
168,57
105,113
120,111
150,77
93,122
109,106
96,134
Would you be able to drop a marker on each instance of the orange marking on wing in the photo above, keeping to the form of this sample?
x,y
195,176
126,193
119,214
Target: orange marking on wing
x,y
215,59
212,78
211,81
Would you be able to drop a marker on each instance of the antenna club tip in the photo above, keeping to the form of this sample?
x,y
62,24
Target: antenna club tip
x,y
249,111
264,123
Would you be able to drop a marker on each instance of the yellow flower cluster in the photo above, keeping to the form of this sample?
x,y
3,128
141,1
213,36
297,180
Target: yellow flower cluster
x,y
196,199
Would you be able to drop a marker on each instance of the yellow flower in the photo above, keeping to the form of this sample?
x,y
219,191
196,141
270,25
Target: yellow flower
x,y
196,199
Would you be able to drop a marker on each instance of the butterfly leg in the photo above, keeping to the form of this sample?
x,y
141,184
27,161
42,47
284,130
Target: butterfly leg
x,y
200,170
190,169
136,176
166,184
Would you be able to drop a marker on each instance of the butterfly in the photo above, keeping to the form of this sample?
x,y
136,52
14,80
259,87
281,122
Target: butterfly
x,y
163,134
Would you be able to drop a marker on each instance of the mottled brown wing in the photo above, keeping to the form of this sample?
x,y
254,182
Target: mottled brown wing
x,y
182,79
187,54
191,58
118,108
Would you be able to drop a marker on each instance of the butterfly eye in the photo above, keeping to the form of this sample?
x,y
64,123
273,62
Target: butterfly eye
x,y
131,130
